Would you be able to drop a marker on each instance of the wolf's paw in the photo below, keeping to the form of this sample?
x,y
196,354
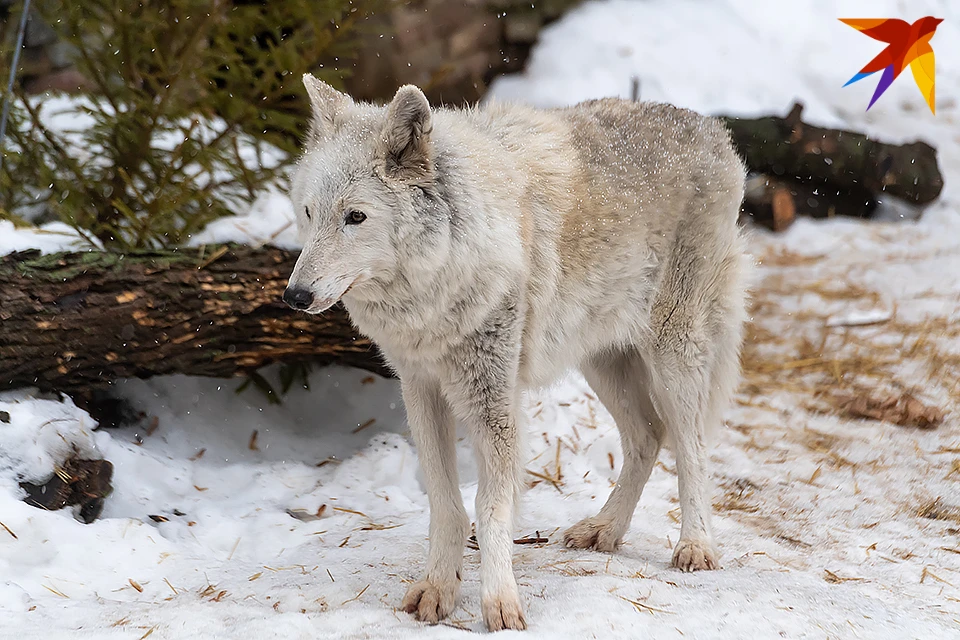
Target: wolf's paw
x,y
503,612
594,533
430,600
695,555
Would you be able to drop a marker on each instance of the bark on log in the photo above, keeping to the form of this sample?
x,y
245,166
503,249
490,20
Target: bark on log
x,y
852,164
776,202
75,321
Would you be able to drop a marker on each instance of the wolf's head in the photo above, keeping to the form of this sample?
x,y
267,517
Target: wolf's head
x,y
364,196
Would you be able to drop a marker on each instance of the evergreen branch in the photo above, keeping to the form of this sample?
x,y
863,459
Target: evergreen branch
x,y
91,67
56,147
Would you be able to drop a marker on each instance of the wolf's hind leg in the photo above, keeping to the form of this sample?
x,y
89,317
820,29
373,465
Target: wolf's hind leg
x,y
696,549
435,596
692,351
682,395
620,380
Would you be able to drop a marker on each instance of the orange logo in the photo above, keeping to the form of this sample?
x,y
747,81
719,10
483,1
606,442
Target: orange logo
x,y
907,44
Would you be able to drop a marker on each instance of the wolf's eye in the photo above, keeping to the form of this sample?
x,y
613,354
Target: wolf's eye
x,y
306,210
355,217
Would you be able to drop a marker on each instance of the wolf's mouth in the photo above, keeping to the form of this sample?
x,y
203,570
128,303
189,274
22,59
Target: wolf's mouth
x,y
320,308
323,305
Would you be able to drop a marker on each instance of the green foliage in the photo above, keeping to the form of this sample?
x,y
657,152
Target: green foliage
x,y
196,106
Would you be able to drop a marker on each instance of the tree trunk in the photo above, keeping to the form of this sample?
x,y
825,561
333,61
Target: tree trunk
x,y
75,321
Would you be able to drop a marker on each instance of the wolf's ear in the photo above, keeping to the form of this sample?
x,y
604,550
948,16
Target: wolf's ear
x,y
407,149
327,106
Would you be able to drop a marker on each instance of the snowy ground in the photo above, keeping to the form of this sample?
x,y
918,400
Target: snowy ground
x,y
829,527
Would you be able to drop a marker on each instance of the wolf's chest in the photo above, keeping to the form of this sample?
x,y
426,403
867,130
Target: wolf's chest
x,y
564,330
414,336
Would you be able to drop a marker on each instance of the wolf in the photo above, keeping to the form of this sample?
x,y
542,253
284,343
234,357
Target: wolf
x,y
489,250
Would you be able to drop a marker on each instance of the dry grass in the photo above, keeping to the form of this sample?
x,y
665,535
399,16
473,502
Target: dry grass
x,y
830,576
554,477
56,592
8,530
797,352
356,597
644,608
738,495
927,573
571,568
937,509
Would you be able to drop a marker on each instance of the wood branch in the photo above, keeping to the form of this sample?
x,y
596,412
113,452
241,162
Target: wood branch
x,y
851,163
76,321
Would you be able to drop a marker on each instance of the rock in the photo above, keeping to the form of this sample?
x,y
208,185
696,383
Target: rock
x,y
65,80
85,483
452,50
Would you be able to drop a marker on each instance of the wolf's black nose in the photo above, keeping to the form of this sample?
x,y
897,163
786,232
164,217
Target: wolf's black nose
x,y
298,298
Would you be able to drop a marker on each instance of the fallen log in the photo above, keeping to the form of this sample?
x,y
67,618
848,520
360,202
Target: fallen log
x,y
76,321
776,202
830,171
846,159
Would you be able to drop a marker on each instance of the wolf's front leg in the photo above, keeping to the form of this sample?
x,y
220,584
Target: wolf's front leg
x,y
435,596
498,460
482,388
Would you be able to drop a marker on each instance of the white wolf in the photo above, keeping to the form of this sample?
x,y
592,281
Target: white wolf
x,y
489,250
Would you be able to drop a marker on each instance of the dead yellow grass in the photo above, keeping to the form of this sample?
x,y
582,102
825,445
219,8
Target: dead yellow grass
x,y
886,364
737,496
937,509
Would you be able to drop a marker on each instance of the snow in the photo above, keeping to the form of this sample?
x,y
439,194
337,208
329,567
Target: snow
x,y
855,318
270,220
49,237
818,517
38,434
737,57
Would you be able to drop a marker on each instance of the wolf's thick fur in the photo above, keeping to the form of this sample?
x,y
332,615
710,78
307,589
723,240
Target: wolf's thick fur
x,y
499,247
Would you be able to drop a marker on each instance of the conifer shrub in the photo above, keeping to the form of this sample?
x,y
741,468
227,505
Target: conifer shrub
x,y
195,107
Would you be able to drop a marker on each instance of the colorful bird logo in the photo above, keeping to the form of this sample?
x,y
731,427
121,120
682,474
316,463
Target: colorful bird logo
x,y
907,44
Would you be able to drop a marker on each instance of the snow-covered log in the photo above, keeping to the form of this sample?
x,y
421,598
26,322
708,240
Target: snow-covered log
x,y
74,321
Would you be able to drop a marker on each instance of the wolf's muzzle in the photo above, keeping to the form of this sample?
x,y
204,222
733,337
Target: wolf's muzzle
x,y
298,298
